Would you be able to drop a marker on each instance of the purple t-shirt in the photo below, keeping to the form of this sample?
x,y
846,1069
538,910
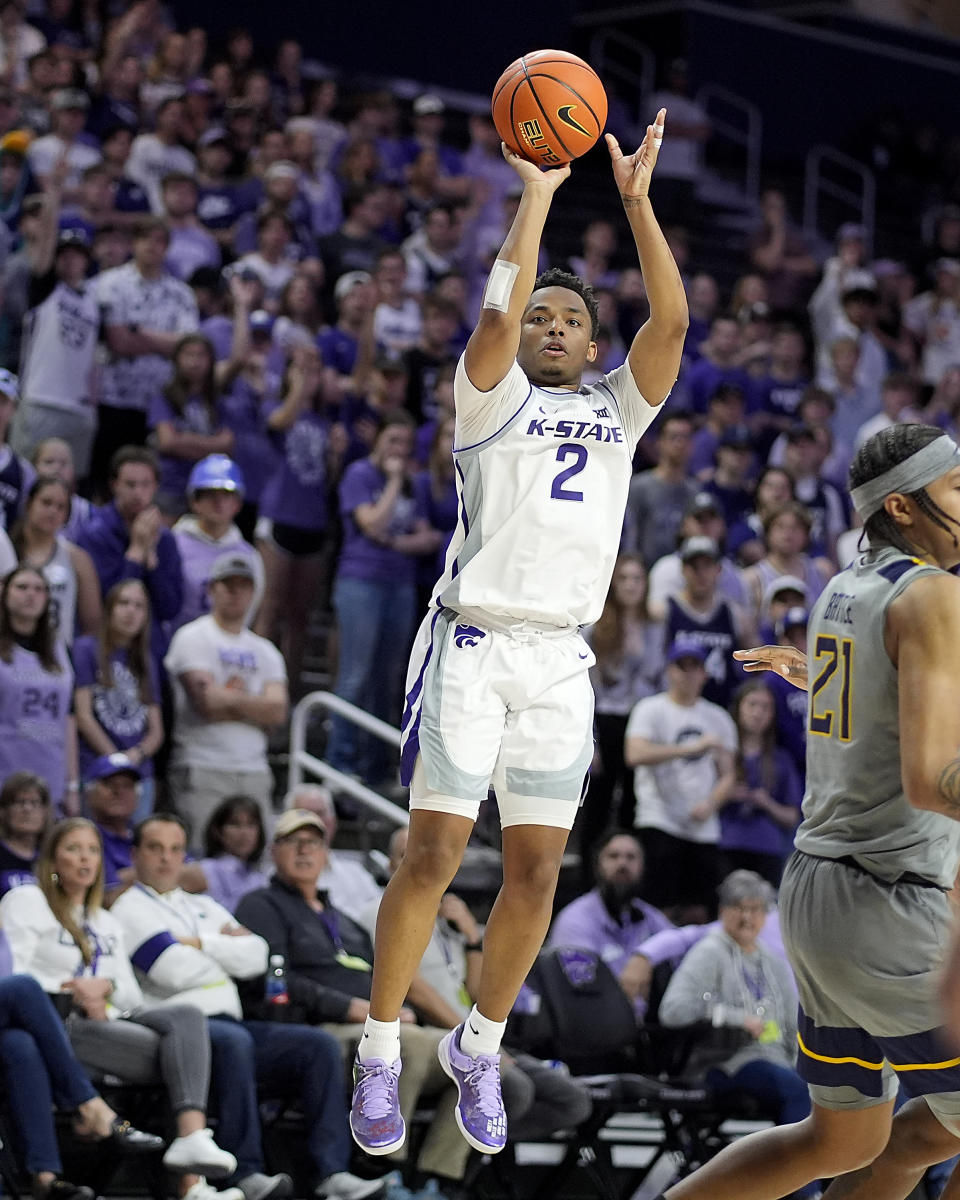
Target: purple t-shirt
x,y
118,709
362,558
34,707
743,827
297,491
15,870
253,448
190,249
195,418
703,378
441,512
117,854
338,350
229,879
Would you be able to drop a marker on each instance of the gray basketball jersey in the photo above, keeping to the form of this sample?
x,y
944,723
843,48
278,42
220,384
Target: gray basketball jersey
x,y
854,803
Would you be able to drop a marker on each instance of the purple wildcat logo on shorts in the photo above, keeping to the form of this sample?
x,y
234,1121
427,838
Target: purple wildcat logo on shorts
x,y
467,635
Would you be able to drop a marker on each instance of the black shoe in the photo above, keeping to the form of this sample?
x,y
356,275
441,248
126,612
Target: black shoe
x,y
63,1189
133,1141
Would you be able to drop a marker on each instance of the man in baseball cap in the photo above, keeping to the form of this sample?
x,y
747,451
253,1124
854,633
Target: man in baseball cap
x,y
111,794
215,492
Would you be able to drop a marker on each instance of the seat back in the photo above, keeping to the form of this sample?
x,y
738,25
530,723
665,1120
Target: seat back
x,y
573,1008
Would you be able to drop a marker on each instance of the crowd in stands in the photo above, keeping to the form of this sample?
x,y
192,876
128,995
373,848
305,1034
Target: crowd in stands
x,y
233,292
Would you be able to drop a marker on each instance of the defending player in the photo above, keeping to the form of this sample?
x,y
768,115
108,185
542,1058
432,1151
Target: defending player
x,y
863,905
498,686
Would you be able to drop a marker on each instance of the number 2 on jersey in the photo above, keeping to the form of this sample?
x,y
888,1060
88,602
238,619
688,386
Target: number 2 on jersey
x,y
568,450
824,708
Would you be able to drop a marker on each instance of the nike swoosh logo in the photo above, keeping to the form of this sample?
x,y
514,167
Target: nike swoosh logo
x,y
564,113
585,655
475,1032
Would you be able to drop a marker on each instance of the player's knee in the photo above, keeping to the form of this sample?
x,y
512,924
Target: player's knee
x,y
532,880
431,863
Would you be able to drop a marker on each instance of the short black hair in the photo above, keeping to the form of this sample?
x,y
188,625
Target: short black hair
x,y
165,818
133,454
221,815
566,279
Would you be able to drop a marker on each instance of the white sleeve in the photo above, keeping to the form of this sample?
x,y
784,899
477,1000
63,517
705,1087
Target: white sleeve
x,y
244,956
482,414
126,994
8,556
635,413
185,652
274,668
726,730
19,918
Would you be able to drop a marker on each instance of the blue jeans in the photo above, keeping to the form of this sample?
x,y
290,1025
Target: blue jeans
x,y
39,1064
779,1089
375,623
259,1058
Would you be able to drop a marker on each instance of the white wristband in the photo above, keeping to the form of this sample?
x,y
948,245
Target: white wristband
x,y
499,287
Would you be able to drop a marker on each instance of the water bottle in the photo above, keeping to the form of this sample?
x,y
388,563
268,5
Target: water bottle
x,y
275,990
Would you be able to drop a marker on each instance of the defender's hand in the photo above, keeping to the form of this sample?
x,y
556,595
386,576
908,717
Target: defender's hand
x,y
784,660
632,171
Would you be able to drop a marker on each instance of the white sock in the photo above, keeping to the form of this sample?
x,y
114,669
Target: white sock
x,y
381,1039
480,1035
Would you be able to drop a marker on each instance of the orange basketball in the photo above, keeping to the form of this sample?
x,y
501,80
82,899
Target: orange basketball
x,y
549,107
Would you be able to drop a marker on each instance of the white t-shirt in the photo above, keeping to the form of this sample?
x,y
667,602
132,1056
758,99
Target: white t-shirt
x,y
679,157
161,305
667,792
273,276
397,329
349,885
44,154
542,477
937,322
150,160
243,658
60,337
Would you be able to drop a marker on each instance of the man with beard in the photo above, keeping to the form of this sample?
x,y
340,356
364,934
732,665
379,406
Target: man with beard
x,y
612,919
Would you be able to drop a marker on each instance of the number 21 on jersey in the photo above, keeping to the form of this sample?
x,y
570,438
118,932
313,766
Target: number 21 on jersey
x,y
830,690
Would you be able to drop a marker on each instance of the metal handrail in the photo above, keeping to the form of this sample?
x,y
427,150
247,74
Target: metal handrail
x,y
861,199
748,134
640,80
301,760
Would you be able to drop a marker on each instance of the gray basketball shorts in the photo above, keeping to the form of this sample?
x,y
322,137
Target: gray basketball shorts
x,y
867,957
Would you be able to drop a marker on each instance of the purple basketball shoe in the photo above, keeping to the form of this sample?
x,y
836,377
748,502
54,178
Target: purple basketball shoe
x,y
375,1120
480,1112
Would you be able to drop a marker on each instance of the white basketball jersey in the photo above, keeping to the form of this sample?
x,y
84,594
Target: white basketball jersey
x,y
542,478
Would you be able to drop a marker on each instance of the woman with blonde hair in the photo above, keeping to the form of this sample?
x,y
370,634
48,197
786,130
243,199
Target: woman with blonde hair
x,y
59,932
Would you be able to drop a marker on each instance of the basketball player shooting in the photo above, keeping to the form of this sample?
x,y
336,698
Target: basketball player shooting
x,y
498,687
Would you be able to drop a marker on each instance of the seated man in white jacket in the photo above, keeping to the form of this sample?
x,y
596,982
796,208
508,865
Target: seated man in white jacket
x,y
188,949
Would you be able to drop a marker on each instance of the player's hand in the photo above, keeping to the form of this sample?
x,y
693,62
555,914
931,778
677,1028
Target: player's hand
x,y
784,660
530,173
632,171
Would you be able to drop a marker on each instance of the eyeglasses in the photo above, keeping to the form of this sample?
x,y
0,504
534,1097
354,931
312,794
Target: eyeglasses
x,y
302,843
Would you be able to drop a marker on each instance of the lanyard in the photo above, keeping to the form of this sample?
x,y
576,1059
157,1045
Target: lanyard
x,y
331,923
755,984
181,915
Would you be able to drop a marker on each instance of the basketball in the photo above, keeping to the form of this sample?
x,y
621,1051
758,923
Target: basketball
x,y
549,107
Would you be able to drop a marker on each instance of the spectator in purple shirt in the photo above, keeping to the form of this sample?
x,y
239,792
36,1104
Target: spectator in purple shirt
x,y
435,490
763,810
191,246
127,540
611,919
117,695
293,529
111,795
375,594
233,843
716,365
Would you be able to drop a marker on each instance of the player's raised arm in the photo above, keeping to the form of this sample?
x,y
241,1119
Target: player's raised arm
x,y
923,633
654,356
493,344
